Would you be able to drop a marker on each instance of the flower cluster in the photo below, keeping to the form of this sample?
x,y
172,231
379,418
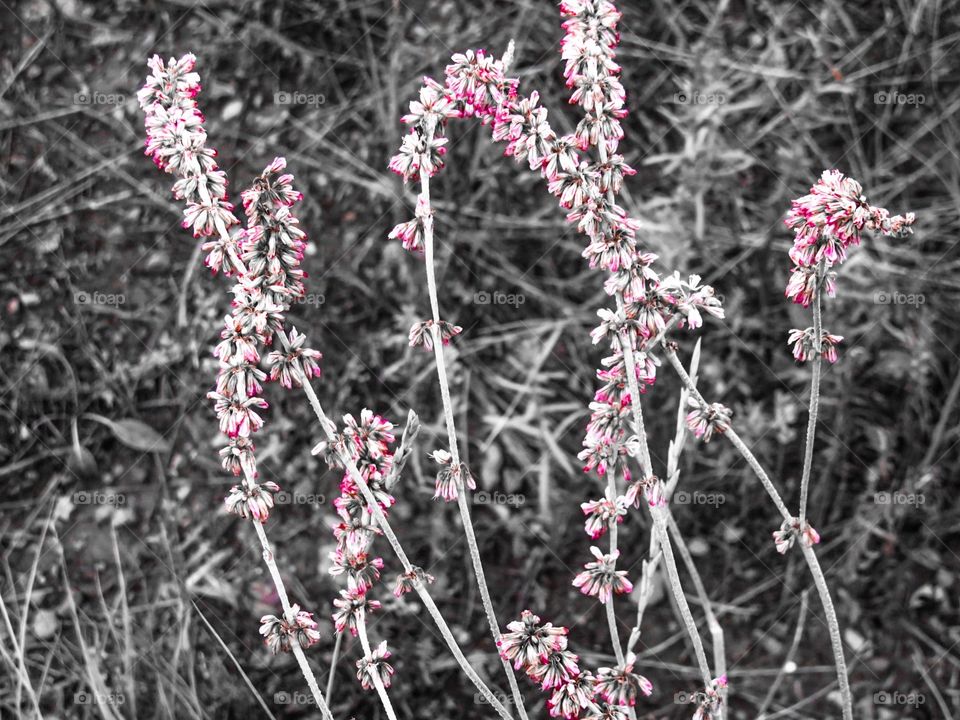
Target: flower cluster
x,y
826,223
804,348
790,531
829,220
253,501
450,477
620,685
709,701
366,441
541,652
375,665
601,578
177,144
264,257
705,421
296,628
272,247
588,49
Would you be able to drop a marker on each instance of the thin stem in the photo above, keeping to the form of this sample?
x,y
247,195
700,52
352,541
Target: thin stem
x,y
329,430
611,615
808,553
331,675
730,434
288,613
658,513
814,396
374,674
833,625
462,503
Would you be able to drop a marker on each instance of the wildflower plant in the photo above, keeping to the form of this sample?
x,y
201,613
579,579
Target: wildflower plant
x,y
640,326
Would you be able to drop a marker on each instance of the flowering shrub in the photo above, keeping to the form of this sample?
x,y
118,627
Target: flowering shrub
x,y
585,173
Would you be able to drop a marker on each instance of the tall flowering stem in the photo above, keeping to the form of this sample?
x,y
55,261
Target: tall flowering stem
x,y
827,223
268,278
476,86
413,578
453,480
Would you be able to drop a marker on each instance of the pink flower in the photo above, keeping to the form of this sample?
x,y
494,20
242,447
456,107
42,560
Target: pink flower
x,y
297,626
254,502
601,579
555,667
602,514
375,665
620,685
570,698
705,421
803,345
528,640
827,222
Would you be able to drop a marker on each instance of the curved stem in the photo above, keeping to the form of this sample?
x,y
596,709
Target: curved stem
x,y
808,553
462,504
329,430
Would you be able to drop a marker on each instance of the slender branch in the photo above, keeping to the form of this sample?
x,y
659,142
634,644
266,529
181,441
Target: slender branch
x,y
329,430
331,675
808,553
814,394
462,503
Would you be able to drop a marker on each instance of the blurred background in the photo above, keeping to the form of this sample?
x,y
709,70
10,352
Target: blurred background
x,y
119,570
